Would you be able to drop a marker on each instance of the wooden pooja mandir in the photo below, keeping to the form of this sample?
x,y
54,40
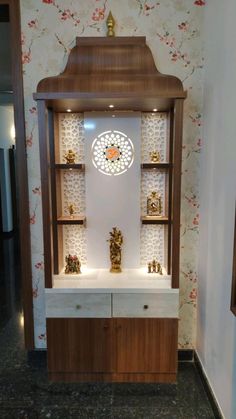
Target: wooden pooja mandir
x,y
106,346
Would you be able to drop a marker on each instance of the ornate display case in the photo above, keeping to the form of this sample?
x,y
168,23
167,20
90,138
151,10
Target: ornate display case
x,y
110,134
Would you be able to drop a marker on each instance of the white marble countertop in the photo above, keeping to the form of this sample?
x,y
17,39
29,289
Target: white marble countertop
x,y
102,281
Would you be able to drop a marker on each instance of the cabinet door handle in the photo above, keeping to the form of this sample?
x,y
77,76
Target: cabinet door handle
x,y
78,306
105,326
145,306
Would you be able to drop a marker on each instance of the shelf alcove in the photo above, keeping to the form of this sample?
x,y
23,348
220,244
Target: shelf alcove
x,y
104,312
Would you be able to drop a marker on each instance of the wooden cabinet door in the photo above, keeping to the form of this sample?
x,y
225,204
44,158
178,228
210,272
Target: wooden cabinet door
x,y
146,345
79,345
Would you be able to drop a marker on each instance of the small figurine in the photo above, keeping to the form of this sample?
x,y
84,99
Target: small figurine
x,y
70,157
116,241
71,209
155,156
154,267
154,205
159,268
72,265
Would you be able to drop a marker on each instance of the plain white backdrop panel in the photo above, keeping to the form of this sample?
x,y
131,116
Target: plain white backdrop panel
x,y
112,200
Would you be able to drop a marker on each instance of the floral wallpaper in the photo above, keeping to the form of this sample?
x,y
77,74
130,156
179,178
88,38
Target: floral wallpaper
x,y
173,32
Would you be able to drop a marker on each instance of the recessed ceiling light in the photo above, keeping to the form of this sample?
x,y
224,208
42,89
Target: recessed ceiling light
x,y
68,110
111,106
155,110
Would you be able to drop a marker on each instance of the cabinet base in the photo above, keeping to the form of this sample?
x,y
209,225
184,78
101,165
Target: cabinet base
x,y
112,377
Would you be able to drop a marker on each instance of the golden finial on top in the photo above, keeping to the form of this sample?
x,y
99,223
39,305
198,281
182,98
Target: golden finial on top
x,y
110,25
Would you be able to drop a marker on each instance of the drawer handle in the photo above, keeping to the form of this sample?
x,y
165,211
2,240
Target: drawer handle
x,y
78,306
145,306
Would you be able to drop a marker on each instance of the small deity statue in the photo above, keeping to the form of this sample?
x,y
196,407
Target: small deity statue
x,y
154,204
155,156
72,265
71,209
116,240
70,157
154,267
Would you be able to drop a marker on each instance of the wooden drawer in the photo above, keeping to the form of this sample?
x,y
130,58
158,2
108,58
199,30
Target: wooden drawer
x,y
163,305
78,305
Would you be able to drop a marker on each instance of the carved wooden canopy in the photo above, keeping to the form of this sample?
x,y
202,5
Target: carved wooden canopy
x,y
108,70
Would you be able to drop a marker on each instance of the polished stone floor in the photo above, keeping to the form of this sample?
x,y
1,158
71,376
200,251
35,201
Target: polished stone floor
x,y
26,393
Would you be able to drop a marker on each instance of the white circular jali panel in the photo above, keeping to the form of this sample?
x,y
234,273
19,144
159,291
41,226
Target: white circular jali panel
x,y
112,153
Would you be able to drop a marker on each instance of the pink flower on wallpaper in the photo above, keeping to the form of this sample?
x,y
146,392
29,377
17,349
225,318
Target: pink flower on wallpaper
x,y
35,292
39,265
200,3
147,8
183,26
196,220
192,200
33,110
199,142
26,57
98,14
48,1
196,119
29,140
33,23
42,336
33,218
193,294
66,14
37,190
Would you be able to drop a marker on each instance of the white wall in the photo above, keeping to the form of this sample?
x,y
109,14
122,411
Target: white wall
x,y
6,141
216,341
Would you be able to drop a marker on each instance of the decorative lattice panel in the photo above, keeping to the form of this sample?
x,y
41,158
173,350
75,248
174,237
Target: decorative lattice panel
x,y
73,191
71,135
152,244
154,134
74,242
154,138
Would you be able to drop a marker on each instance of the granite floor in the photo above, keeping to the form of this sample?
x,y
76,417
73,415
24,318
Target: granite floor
x,y
26,393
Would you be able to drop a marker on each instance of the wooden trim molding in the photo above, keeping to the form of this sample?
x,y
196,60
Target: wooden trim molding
x,y
21,170
233,294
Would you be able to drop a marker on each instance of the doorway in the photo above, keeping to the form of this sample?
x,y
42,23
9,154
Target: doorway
x,y
11,88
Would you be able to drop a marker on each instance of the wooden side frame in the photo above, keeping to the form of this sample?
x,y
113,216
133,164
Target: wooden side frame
x,y
233,294
21,171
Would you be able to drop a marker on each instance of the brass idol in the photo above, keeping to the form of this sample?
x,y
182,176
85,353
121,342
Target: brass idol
x,y
116,241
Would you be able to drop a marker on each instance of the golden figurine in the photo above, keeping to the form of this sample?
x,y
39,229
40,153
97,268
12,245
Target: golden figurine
x,y
116,241
70,157
72,265
71,209
155,156
154,204
154,267
110,25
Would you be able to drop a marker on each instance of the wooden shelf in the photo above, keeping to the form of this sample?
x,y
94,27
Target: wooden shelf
x,y
160,166
65,166
77,219
154,219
